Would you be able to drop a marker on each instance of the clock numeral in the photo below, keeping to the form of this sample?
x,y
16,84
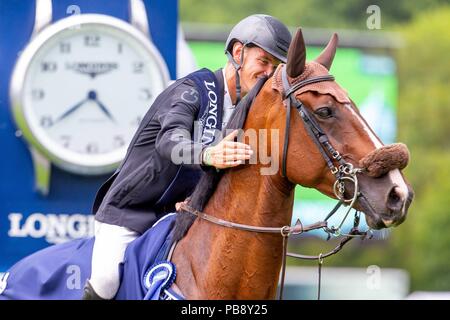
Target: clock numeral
x,y
92,148
145,94
66,141
64,47
91,41
49,66
37,94
119,141
119,48
46,121
138,67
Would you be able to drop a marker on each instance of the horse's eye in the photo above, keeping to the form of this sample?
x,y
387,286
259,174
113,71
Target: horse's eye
x,y
324,112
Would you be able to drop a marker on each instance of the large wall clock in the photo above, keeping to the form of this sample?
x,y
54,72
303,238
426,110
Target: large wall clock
x,y
79,91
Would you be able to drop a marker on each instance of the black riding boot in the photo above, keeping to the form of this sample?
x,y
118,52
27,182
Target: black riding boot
x,y
89,293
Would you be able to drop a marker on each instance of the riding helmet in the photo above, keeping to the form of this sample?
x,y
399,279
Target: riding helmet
x,y
264,31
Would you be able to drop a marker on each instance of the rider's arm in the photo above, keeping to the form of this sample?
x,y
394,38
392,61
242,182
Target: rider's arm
x,y
175,140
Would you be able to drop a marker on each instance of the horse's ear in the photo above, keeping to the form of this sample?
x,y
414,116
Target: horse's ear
x,y
327,55
296,56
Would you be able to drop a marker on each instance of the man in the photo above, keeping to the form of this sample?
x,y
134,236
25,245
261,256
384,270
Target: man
x,y
164,160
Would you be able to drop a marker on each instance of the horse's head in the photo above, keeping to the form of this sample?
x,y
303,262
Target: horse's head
x,y
326,132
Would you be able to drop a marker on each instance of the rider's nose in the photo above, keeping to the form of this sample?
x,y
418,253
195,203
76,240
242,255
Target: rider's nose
x,y
269,71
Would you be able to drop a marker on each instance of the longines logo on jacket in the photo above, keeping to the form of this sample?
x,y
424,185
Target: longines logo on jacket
x,y
55,228
210,117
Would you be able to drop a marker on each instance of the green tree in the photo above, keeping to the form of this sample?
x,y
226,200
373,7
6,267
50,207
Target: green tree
x,y
421,245
424,108
307,13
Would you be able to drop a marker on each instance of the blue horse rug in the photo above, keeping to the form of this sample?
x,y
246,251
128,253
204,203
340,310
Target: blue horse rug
x,y
60,271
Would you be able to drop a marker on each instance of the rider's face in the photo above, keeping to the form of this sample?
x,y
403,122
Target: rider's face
x,y
257,63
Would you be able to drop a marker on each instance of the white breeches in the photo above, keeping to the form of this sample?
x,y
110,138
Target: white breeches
x,y
109,249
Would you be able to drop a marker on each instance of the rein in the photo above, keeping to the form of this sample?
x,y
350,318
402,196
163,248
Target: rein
x,y
343,172
287,231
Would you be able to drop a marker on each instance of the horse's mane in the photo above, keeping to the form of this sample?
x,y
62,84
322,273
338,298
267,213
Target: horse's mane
x,y
211,177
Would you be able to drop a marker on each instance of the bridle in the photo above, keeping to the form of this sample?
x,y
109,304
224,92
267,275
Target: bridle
x,y
343,172
314,131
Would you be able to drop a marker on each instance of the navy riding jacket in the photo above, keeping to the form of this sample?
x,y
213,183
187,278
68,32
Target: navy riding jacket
x,y
148,183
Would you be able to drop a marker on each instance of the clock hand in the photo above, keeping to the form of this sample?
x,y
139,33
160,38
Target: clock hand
x,y
92,95
104,109
71,110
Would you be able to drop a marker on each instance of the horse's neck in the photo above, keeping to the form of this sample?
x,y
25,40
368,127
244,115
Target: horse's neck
x,y
225,263
236,264
245,196
253,194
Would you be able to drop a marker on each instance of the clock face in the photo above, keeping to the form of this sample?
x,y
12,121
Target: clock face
x,y
84,91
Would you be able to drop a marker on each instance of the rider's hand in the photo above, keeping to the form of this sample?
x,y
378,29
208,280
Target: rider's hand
x,y
227,153
179,204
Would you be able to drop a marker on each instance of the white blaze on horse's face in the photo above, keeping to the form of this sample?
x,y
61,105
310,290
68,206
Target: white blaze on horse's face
x,y
402,188
376,142
394,175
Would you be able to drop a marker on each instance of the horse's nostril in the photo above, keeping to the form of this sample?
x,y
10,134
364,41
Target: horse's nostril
x,y
394,196
394,200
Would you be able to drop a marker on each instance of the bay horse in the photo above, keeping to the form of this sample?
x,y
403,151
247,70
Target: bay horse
x,y
321,130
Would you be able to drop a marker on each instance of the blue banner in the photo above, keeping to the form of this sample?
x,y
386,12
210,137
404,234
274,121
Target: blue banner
x,y
31,220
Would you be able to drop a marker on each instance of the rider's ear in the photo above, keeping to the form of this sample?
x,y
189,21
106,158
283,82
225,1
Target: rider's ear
x,y
327,55
237,50
296,56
